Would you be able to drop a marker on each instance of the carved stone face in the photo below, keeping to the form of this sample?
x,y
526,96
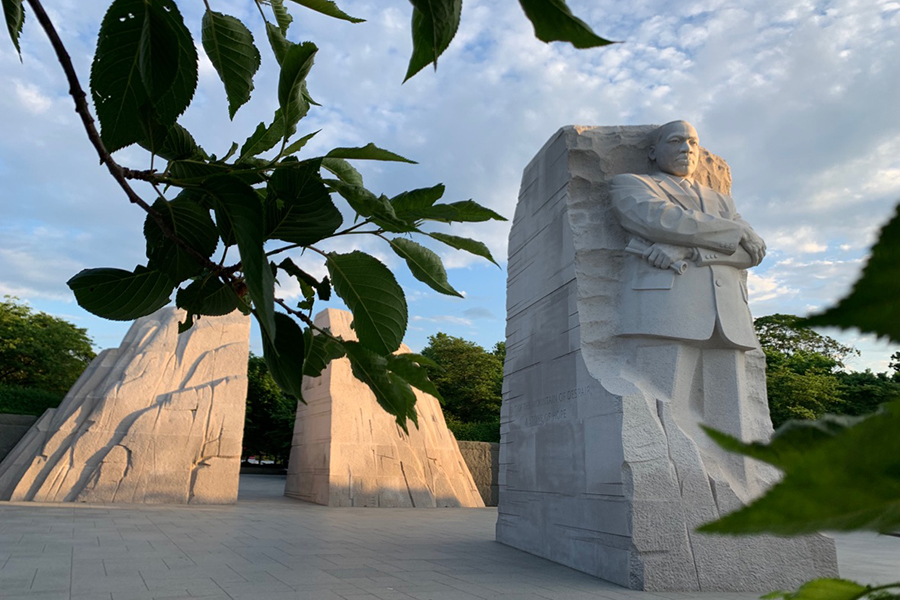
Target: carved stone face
x,y
677,149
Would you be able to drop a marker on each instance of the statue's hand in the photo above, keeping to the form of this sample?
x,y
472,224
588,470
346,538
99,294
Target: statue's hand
x,y
754,245
662,255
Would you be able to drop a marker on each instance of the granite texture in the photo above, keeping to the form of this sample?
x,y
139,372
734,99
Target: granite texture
x,y
347,451
602,465
159,419
483,460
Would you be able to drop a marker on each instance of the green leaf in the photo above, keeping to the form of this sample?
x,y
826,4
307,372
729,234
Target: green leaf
x,y
298,145
392,393
320,350
434,23
292,95
411,368
121,295
824,589
466,211
282,16
369,290
328,7
284,356
361,200
206,296
322,288
194,171
177,144
368,152
303,212
425,265
140,44
343,170
229,45
413,202
872,305
190,222
279,44
239,204
460,243
263,139
840,475
553,21
15,18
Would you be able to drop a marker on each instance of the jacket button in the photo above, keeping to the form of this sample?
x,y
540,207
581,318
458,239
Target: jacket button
x,y
718,283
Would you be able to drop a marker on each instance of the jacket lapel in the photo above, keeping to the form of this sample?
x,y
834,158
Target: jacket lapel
x,y
676,193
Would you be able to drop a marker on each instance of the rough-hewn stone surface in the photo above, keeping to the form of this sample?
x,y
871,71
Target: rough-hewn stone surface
x,y
159,419
347,451
483,460
596,472
12,429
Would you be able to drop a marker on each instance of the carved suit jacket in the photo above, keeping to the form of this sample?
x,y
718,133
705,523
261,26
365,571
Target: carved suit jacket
x,y
662,303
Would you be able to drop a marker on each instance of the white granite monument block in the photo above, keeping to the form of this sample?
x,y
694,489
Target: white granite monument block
x,y
158,420
347,451
627,324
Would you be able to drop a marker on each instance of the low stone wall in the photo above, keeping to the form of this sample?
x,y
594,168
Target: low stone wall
x,y
483,459
12,429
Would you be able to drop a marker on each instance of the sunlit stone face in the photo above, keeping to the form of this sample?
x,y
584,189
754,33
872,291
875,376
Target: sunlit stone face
x,y
677,149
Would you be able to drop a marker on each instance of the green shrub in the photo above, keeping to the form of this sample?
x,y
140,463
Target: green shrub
x,y
488,431
19,400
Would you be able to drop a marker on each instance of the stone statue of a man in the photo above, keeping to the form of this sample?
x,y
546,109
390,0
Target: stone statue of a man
x,y
685,296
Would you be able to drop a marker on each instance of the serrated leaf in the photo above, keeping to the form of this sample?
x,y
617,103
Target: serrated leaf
x,y
279,44
434,23
872,305
292,95
425,265
320,288
320,350
192,224
391,392
284,355
263,139
121,295
15,18
466,211
282,16
553,21
208,296
368,152
411,368
361,200
305,213
460,243
372,294
414,201
194,171
847,478
141,43
343,170
177,144
328,7
239,204
298,145
229,45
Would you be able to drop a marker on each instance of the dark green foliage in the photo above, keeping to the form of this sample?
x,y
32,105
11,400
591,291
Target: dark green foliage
x,y
229,45
469,378
121,295
434,23
873,305
20,400
39,351
553,21
15,18
269,422
801,385
284,353
789,333
488,431
863,392
424,264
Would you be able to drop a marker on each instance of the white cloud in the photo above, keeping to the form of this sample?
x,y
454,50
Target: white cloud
x,y
31,98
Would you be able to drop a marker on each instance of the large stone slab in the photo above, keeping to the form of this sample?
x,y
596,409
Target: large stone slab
x,y
347,451
599,470
159,419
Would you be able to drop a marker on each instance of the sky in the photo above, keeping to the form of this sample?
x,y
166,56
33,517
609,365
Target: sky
x,y
799,97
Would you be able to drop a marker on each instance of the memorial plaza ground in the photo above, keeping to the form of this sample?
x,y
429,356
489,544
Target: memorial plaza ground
x,y
268,547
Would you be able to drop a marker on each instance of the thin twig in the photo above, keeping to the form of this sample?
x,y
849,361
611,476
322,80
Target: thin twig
x,y
296,313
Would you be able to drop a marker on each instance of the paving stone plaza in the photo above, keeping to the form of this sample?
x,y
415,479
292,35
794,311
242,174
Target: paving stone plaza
x,y
268,547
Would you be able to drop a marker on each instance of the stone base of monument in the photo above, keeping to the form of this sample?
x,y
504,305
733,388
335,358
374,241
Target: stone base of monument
x,y
347,451
159,420
600,469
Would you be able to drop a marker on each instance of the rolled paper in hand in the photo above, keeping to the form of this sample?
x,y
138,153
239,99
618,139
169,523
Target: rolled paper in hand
x,y
637,248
